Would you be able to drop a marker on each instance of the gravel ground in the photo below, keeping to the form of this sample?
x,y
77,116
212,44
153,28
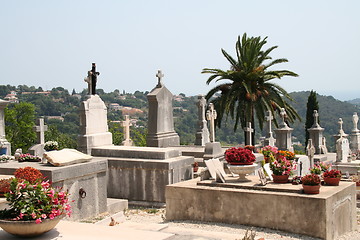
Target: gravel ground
x,y
206,230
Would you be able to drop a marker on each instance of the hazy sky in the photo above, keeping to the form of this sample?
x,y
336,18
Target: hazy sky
x,y
53,43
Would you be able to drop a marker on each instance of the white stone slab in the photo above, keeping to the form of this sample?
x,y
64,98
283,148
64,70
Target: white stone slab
x,y
66,157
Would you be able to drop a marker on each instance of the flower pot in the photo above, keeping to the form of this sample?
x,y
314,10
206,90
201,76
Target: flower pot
x,y
311,189
29,228
280,178
332,181
242,170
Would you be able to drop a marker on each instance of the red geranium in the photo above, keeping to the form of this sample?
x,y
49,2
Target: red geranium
x,y
333,173
29,174
239,156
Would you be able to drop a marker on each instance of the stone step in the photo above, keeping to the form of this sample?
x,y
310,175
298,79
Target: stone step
x,y
115,205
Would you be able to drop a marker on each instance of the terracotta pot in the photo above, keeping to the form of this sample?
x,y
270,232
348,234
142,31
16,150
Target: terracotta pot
x,y
280,178
311,189
29,228
238,163
332,181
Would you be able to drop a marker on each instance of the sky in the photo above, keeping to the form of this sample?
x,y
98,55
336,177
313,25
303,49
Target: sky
x,y
53,43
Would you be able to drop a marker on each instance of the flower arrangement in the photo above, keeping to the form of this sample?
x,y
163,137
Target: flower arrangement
x,y
311,180
5,185
356,179
29,174
333,173
5,158
282,166
238,156
319,168
51,145
287,154
267,151
35,201
27,157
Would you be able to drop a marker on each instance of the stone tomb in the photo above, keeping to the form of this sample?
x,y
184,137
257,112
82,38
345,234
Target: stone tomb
x,y
141,173
326,215
90,177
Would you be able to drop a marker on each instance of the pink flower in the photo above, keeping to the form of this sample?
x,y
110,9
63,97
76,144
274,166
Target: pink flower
x,y
38,221
33,215
43,216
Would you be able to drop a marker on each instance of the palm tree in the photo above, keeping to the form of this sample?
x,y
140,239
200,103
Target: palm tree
x,y
248,92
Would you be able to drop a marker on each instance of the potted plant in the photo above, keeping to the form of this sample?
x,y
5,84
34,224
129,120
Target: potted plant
x,y
311,183
27,157
320,168
269,151
282,168
51,146
240,161
356,179
332,177
35,207
29,174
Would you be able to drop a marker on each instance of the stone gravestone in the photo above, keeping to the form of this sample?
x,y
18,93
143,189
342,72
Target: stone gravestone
x,y
3,142
342,149
310,152
212,148
303,166
355,135
202,132
161,131
249,131
341,131
316,135
40,128
126,124
94,130
283,134
269,138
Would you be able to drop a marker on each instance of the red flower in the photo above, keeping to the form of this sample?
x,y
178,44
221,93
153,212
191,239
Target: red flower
x,y
239,156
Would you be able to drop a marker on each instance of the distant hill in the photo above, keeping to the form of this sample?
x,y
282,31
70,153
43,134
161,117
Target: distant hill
x,y
355,101
330,110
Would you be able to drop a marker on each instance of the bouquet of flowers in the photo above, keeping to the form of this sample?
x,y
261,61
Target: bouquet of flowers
x,y
319,168
27,157
238,156
333,173
267,151
282,166
311,179
287,154
29,174
51,145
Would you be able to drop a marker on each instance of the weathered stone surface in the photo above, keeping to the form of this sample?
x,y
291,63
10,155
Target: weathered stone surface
x,y
66,157
213,150
90,176
145,180
326,215
135,152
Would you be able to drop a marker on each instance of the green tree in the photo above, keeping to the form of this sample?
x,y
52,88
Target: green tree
x,y
64,140
247,92
19,123
312,104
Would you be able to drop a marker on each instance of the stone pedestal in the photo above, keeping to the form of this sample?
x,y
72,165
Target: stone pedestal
x,y
316,134
94,130
283,138
161,131
90,176
141,173
355,142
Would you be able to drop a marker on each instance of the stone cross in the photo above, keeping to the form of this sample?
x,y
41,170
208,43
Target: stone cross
x,y
283,114
269,138
268,118
249,132
355,119
159,75
211,116
202,132
91,79
40,130
126,124
316,119
310,152
341,131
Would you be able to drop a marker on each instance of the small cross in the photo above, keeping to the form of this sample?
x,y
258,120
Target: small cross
x,y
40,130
249,132
126,124
316,118
159,75
268,116
211,116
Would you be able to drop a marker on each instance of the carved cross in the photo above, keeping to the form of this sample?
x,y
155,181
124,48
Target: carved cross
x,y
268,118
201,110
159,75
249,132
341,131
310,152
126,124
211,116
91,79
40,130
316,118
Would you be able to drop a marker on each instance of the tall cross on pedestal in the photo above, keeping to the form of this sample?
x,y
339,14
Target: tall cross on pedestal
x,y
211,116
126,124
341,131
249,132
91,79
40,130
159,75
316,119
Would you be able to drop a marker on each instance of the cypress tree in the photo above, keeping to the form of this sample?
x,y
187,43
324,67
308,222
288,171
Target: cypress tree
x,y
312,104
